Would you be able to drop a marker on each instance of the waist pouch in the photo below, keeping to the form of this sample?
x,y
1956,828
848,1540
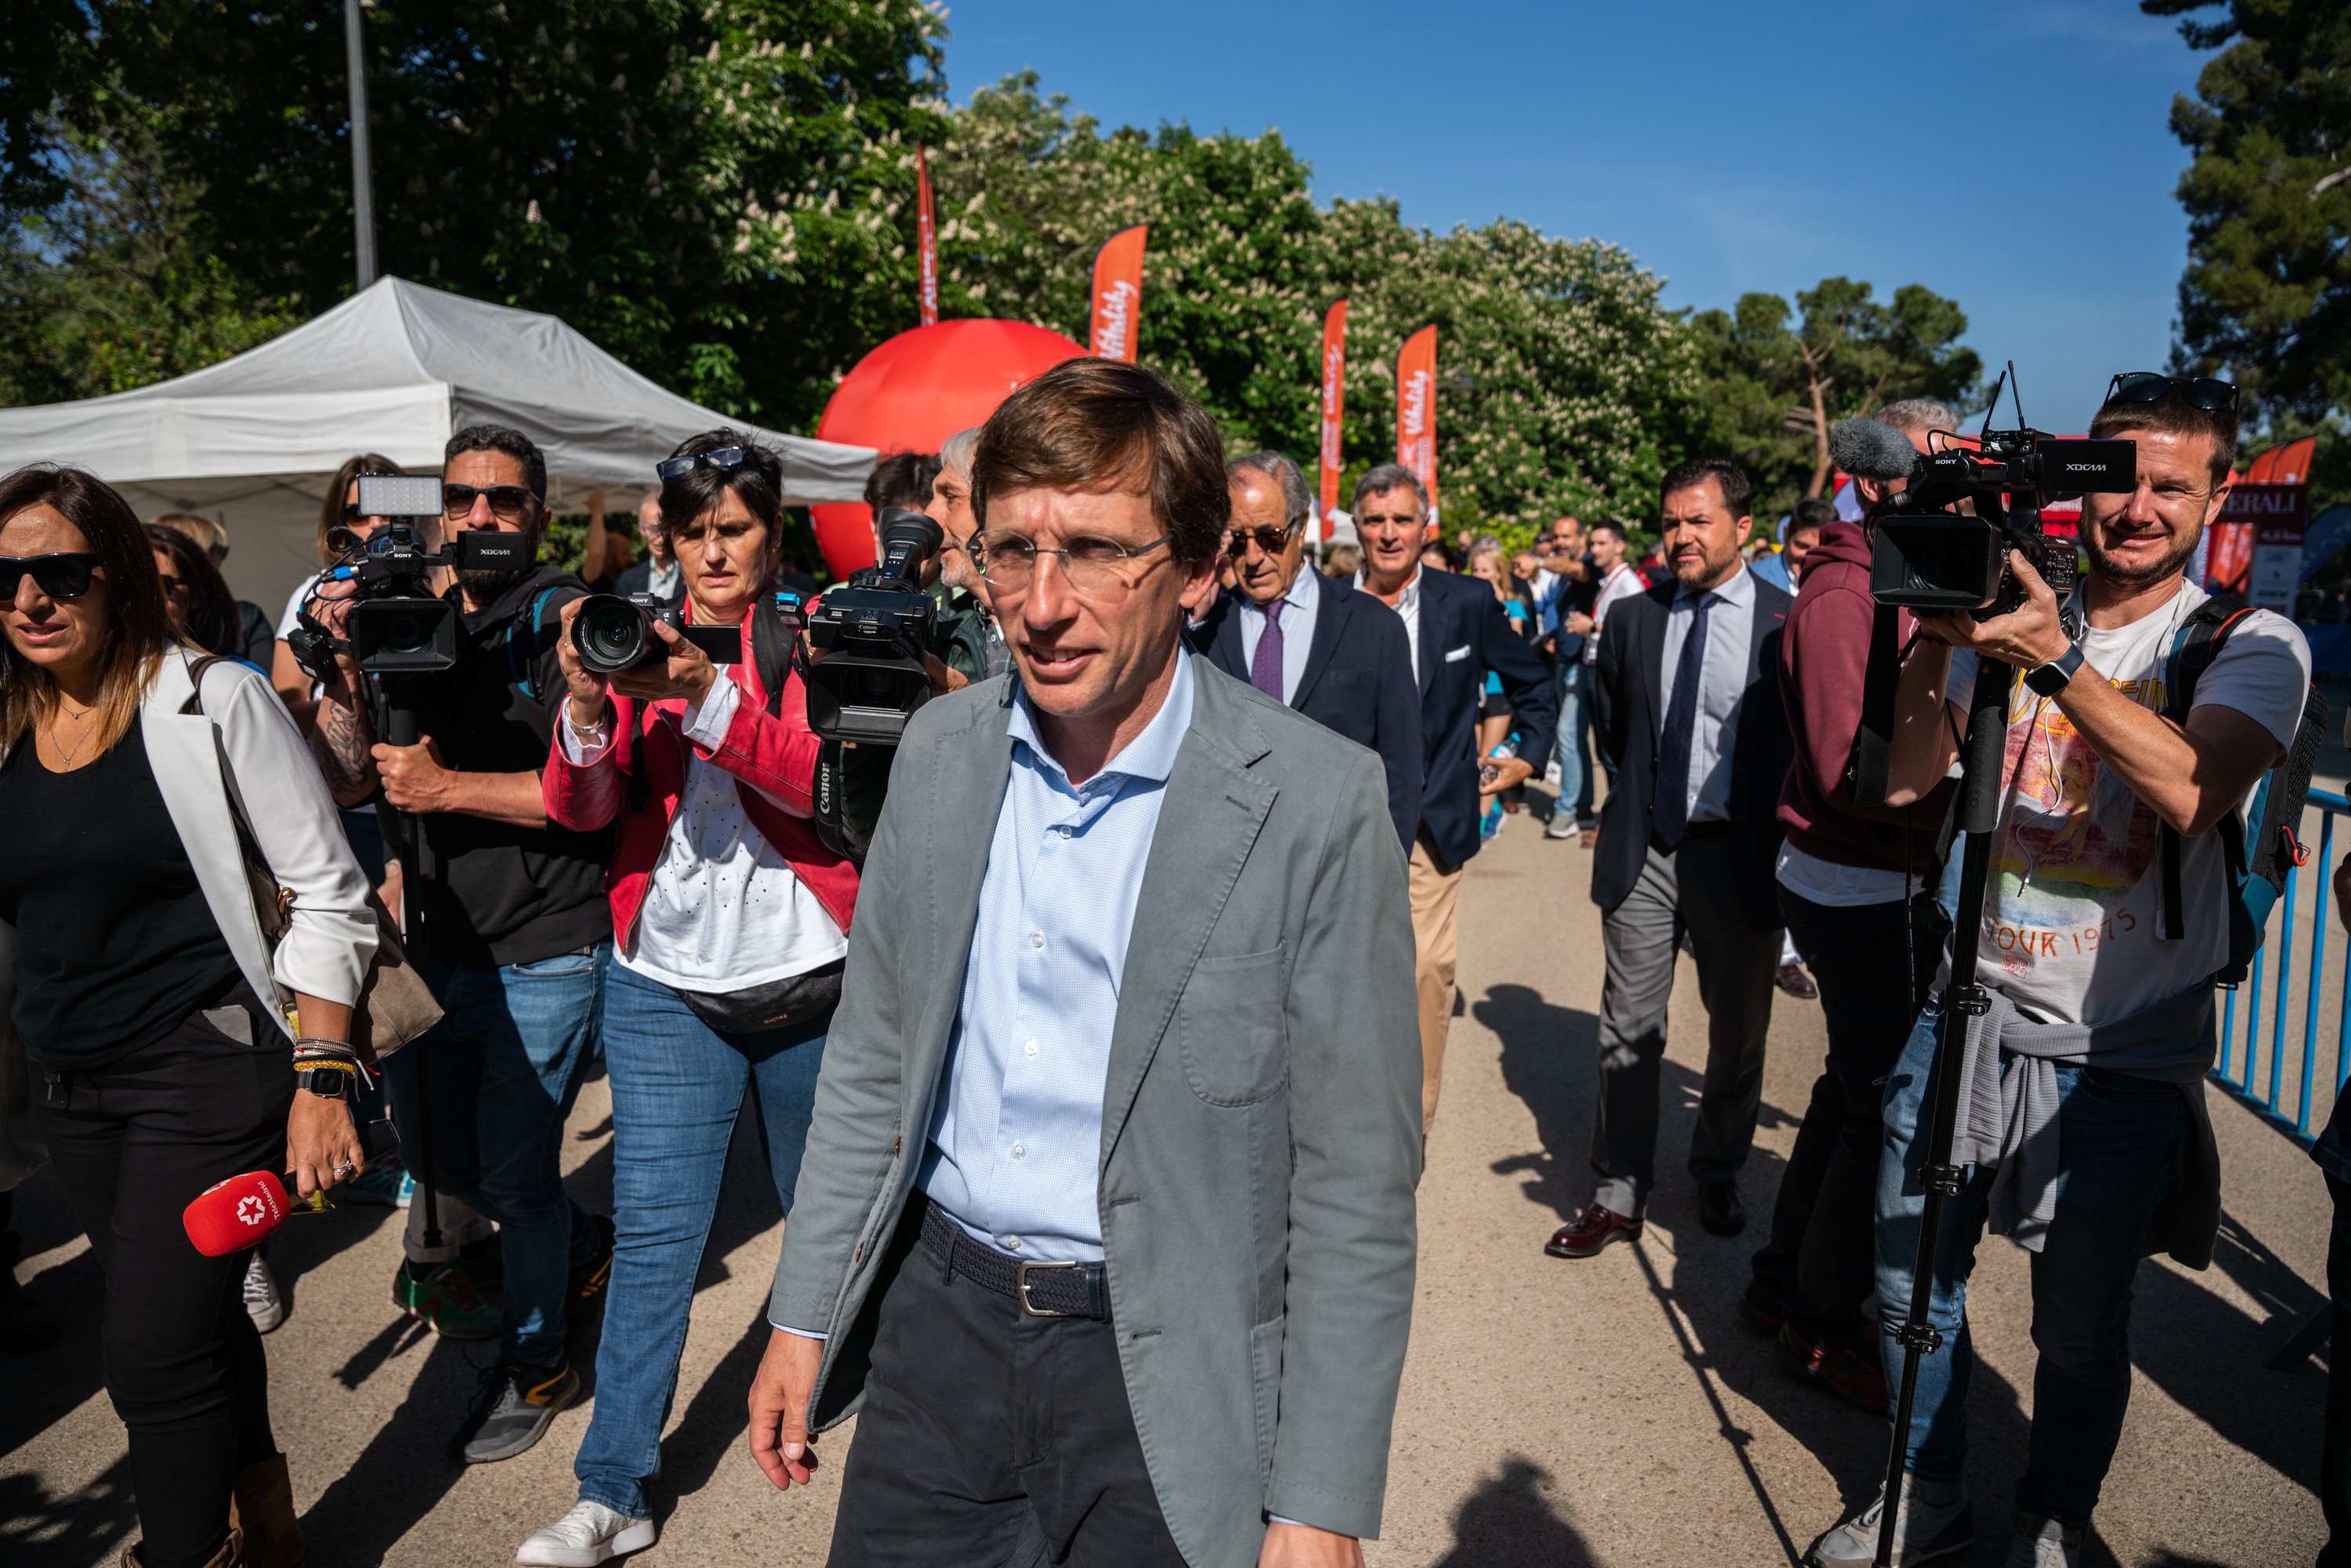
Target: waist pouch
x,y
778,1004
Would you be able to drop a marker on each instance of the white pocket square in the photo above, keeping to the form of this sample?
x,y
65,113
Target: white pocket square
x,y
1457,655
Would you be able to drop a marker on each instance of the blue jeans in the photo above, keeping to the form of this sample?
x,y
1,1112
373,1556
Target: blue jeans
x,y
677,1086
2122,1144
501,1070
1572,747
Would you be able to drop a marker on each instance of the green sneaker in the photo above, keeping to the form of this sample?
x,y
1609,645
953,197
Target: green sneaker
x,y
445,1301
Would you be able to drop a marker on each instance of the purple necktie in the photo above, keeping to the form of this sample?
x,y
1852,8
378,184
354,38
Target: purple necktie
x,y
1265,664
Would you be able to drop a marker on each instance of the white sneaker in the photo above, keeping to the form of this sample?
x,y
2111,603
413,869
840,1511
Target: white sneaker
x,y
262,1302
1925,1531
2044,1543
591,1534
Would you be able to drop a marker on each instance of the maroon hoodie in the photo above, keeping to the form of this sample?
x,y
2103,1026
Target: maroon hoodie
x,y
1822,654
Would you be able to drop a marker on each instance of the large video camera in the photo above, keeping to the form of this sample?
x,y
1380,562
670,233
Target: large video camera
x,y
873,632
1932,560
398,625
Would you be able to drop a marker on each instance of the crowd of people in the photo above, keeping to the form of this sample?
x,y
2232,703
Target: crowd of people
x,y
1097,1084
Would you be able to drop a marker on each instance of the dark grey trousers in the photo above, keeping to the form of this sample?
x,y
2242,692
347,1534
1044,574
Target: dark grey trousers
x,y
1696,891
993,1439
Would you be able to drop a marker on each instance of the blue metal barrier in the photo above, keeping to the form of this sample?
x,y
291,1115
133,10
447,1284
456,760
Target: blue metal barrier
x,y
2254,1076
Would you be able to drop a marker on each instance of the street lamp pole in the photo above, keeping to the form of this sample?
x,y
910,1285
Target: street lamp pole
x,y
363,178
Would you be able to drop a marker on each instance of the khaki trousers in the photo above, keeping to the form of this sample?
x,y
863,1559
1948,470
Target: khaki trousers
x,y
1435,892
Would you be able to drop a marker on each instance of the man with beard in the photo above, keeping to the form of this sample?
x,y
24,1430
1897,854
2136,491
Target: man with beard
x,y
2105,923
508,921
1686,708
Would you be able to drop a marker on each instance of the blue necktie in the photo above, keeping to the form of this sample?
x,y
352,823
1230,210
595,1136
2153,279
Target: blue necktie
x,y
1265,664
1669,803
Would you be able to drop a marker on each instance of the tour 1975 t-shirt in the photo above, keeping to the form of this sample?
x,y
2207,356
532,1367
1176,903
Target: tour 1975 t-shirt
x,y
2072,929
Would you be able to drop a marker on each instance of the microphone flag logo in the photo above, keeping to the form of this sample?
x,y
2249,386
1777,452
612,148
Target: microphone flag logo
x,y
251,1210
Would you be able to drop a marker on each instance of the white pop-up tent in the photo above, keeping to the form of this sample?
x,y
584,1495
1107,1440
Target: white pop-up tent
x,y
395,369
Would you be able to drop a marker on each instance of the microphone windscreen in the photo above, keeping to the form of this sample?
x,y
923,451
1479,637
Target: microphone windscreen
x,y
1869,450
231,1216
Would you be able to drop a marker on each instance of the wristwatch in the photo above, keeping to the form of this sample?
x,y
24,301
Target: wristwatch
x,y
327,1082
2053,677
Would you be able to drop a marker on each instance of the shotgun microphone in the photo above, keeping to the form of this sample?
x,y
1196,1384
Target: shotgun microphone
x,y
1867,449
232,1215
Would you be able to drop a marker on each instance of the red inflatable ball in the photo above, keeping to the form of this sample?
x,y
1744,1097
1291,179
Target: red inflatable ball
x,y
912,393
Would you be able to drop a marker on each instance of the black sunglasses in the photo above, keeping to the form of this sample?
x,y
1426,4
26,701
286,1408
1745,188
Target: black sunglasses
x,y
1272,541
506,500
58,576
716,457
2150,386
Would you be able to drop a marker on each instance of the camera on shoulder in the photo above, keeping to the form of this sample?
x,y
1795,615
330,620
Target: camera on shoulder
x,y
872,631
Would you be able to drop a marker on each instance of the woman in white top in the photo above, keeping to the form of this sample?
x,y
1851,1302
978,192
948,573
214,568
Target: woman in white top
x,y
730,918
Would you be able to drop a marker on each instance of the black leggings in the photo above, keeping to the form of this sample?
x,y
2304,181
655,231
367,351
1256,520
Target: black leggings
x,y
132,1143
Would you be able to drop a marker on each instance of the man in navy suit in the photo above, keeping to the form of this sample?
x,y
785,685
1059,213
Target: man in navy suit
x,y
1312,642
1687,709
1457,632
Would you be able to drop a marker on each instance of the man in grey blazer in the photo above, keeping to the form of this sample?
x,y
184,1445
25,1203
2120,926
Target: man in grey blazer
x,y
1106,1228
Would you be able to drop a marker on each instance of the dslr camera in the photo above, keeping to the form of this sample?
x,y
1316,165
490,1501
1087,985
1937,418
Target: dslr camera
x,y
612,633
398,625
873,632
1935,561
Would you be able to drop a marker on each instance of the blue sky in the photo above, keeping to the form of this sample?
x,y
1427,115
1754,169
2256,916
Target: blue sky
x,y
2014,156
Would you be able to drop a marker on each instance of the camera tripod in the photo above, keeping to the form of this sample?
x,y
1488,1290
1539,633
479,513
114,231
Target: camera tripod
x,y
1964,998
396,701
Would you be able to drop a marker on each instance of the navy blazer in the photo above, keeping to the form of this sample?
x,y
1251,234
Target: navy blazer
x,y
1358,681
1463,634
1628,713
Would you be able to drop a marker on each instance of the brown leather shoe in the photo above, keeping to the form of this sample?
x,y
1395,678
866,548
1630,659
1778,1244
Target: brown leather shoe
x,y
1590,837
1588,1232
261,1505
230,1555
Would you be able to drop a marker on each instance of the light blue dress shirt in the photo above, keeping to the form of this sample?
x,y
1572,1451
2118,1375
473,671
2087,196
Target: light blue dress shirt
x,y
1722,681
1015,1141
1297,629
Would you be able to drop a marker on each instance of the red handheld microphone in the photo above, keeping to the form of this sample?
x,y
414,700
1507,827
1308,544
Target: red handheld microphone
x,y
232,1215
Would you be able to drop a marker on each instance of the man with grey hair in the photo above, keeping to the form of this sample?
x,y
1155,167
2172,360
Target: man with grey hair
x,y
1311,643
1914,417
659,573
966,640
1457,631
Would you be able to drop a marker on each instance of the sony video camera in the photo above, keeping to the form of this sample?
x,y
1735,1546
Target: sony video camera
x,y
611,633
873,632
398,625
1935,561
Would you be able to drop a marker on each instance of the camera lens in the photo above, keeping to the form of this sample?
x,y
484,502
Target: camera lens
x,y
405,633
610,633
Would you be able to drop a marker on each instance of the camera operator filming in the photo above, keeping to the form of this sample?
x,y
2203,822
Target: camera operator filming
x,y
732,918
2077,1116
508,910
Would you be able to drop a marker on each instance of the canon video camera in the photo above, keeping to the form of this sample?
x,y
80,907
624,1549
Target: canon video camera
x,y
398,625
873,632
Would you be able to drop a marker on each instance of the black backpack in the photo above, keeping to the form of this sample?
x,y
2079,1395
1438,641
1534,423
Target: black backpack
x,y
2263,848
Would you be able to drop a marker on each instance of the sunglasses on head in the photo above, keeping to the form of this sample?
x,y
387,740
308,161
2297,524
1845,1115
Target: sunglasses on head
x,y
716,457
2150,386
507,501
57,576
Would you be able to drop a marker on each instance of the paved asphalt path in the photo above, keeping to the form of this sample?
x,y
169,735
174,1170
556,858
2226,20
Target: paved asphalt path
x,y
1613,1411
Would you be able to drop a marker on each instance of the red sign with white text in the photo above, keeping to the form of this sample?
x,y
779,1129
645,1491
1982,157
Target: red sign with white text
x,y
1118,294
1417,408
926,243
1334,397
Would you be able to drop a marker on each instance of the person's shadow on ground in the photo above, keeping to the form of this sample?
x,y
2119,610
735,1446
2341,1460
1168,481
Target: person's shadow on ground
x,y
1511,1520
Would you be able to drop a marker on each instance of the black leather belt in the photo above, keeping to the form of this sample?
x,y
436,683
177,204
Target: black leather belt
x,y
1043,1290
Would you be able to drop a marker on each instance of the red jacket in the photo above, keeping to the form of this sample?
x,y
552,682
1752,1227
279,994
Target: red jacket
x,y
775,754
1822,659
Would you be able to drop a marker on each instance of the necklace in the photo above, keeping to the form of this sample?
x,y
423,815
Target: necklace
x,y
68,756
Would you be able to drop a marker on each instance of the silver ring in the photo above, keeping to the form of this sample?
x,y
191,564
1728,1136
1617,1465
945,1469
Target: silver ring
x,y
345,1170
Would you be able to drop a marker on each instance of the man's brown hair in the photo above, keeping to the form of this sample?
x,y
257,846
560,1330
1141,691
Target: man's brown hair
x,y
1092,424
2173,416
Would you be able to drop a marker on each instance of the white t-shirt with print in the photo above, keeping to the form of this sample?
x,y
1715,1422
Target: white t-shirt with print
x,y
2073,904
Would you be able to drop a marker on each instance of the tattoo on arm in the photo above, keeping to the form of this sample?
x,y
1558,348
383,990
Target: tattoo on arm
x,y
343,752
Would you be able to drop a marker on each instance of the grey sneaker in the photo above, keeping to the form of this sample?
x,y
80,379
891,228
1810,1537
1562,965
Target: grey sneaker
x,y
2044,1543
591,1534
516,1404
263,1301
1924,1533
1561,825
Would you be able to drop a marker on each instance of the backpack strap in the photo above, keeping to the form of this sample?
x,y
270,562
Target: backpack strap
x,y
524,672
772,646
2194,646
1868,768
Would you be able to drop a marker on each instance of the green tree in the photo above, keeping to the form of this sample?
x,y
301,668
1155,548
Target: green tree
x,y
2266,296
1776,378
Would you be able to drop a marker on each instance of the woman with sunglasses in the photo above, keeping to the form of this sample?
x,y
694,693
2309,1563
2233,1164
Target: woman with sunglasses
x,y
730,921
204,612
339,509
138,983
